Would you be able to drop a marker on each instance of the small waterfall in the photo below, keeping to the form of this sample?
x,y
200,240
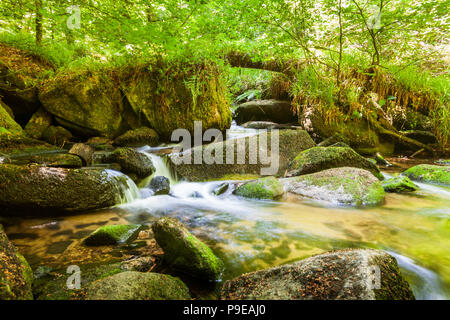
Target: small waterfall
x,y
128,190
161,167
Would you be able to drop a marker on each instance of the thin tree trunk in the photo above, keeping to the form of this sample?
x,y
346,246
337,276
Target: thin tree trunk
x,y
38,22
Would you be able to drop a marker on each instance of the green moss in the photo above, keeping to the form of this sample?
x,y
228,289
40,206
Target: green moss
x,y
113,234
7,124
349,186
133,285
185,252
393,286
399,184
265,188
321,158
16,276
429,174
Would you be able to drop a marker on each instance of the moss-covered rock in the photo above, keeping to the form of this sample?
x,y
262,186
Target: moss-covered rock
x,y
265,110
340,275
132,285
341,186
113,234
47,189
179,96
52,285
16,276
83,151
87,104
132,162
138,137
160,185
321,158
57,136
38,123
185,252
355,132
19,75
7,124
290,143
51,159
265,188
399,184
429,174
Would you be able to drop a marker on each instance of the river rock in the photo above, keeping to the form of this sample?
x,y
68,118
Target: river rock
x,y
399,184
83,151
185,252
132,162
353,274
132,285
57,136
265,188
7,124
340,186
321,158
113,235
175,99
50,159
138,137
290,143
265,110
60,189
160,185
16,276
38,123
266,125
429,174
88,105
19,73
357,133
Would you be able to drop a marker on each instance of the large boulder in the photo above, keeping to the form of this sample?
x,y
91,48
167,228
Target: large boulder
x,y
7,124
339,275
177,97
265,188
185,252
57,135
341,186
132,285
138,137
43,188
321,158
355,132
88,105
16,276
429,174
47,159
19,74
132,162
38,123
290,143
265,110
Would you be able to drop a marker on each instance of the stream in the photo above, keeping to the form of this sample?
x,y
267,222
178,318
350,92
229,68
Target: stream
x,y
250,235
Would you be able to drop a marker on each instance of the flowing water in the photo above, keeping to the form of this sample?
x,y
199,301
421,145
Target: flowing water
x,y
250,235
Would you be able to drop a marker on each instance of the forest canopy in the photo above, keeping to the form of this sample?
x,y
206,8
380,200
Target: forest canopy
x,y
321,44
